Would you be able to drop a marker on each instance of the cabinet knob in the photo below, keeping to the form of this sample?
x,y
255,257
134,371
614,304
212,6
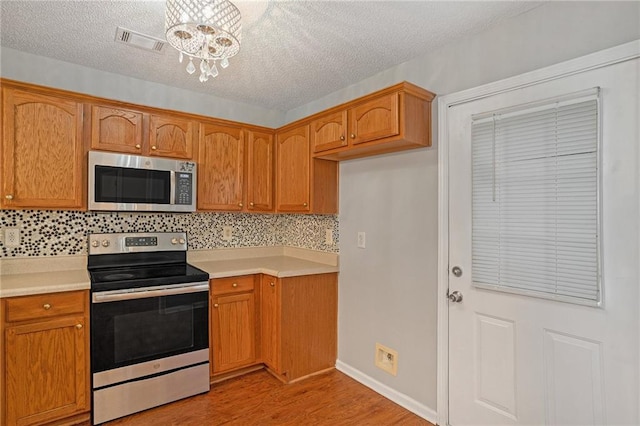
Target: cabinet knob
x,y
215,305
305,204
272,284
46,306
78,326
353,135
342,137
240,204
154,147
234,285
251,204
9,197
137,146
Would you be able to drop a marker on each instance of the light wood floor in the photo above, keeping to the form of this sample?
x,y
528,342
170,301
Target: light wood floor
x,y
260,399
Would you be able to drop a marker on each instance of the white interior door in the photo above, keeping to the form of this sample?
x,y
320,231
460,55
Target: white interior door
x,y
516,359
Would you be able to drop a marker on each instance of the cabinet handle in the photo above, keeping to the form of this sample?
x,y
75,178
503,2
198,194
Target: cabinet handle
x,y
154,147
234,285
353,135
342,137
240,204
251,204
78,326
46,306
215,305
138,146
9,197
304,204
272,284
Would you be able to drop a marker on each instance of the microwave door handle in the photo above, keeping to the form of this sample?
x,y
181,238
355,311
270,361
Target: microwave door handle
x,y
172,196
143,294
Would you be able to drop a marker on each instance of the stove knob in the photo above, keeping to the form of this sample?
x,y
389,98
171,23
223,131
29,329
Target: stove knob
x,y
105,243
174,241
95,243
181,240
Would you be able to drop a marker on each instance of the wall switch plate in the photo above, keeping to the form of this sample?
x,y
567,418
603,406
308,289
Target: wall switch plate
x,y
328,237
12,237
386,359
227,233
361,239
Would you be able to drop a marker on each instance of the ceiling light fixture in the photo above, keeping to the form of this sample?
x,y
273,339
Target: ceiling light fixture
x,y
205,30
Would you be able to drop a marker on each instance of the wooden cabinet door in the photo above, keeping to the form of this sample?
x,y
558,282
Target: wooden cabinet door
x,y
47,370
42,151
375,119
260,171
329,131
293,170
115,129
270,322
234,331
171,137
220,168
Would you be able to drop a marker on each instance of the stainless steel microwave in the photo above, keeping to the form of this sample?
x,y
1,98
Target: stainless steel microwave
x,y
120,182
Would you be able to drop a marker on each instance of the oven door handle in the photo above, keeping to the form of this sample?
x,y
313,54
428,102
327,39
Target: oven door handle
x,y
143,294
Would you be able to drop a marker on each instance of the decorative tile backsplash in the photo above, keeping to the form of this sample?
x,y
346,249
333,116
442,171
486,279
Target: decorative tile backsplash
x,y
53,233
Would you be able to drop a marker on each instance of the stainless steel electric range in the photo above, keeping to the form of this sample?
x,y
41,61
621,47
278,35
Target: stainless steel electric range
x,y
149,323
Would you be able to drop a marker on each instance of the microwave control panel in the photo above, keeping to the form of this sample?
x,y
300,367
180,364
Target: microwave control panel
x,y
184,188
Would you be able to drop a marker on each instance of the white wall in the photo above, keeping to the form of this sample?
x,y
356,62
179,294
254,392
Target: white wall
x,y
22,66
388,290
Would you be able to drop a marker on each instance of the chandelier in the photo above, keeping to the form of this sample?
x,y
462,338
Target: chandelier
x,y
207,31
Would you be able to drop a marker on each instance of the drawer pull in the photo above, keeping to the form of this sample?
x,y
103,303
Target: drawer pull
x,y
46,306
342,137
353,135
138,146
305,204
215,305
154,147
251,204
9,197
272,284
78,326
234,285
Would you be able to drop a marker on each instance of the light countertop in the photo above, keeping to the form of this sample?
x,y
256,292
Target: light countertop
x,y
28,276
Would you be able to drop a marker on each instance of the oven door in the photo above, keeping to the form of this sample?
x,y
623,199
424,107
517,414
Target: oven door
x,y
136,326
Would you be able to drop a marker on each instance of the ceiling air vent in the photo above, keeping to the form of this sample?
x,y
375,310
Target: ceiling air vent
x,y
139,40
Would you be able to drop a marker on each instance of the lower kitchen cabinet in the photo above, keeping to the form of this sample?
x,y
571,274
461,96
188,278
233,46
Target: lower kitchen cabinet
x,y
233,323
299,324
45,359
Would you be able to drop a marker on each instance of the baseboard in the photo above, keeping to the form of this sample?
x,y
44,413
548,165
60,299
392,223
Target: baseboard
x,y
389,393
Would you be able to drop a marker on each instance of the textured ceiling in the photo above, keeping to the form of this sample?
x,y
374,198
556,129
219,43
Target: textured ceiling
x,y
292,52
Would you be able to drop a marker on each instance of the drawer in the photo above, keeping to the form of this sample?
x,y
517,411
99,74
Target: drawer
x,y
44,305
232,284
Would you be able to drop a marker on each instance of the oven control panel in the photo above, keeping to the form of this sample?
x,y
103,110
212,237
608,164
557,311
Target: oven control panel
x,y
137,242
140,241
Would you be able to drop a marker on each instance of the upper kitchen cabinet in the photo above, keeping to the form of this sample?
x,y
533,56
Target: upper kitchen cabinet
x,y
42,151
116,129
329,131
135,132
260,172
303,184
220,168
393,119
293,170
171,136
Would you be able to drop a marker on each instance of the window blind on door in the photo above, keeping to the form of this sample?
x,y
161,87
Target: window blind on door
x,y
535,199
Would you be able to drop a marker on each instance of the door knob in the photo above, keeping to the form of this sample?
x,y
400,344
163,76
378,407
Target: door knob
x,y
455,297
456,271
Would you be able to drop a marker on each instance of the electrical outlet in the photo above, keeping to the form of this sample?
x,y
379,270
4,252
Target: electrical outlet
x,y
328,237
386,359
12,237
227,233
361,239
